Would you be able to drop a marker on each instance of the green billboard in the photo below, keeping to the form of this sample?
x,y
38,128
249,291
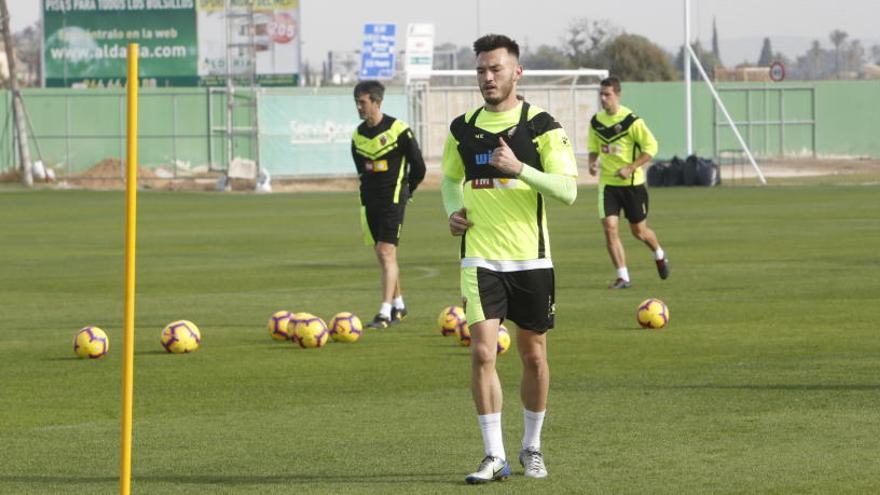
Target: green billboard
x,y
181,42
85,42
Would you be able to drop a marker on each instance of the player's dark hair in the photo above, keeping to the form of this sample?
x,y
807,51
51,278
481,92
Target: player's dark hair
x,y
374,89
611,82
491,42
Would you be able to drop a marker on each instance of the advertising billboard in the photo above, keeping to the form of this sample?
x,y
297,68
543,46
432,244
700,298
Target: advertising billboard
x,y
181,42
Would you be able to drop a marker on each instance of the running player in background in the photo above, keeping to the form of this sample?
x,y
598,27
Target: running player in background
x,y
622,143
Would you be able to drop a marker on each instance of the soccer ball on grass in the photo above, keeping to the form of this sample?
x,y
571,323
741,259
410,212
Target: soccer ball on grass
x,y
451,318
308,330
91,342
181,336
346,327
653,313
278,325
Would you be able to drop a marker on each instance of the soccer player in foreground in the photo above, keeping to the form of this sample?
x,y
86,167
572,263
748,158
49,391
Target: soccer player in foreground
x,y
622,143
390,166
500,162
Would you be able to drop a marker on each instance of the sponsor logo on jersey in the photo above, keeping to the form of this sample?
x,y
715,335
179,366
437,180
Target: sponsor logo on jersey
x,y
376,166
483,158
505,183
482,184
487,183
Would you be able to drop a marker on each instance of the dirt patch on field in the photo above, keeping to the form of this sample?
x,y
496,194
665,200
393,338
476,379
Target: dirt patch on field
x,y
109,174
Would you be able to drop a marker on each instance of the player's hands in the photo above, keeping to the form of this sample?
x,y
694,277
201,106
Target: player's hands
x,y
458,222
593,168
504,160
626,172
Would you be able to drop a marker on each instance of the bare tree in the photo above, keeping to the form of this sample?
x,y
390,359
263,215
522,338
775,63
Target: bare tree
x,y
17,103
545,57
584,39
27,47
854,56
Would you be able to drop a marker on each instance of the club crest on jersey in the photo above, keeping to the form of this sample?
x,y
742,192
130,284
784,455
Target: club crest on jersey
x,y
618,128
383,140
482,158
610,149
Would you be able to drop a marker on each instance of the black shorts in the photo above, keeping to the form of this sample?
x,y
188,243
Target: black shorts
x,y
528,298
633,200
382,223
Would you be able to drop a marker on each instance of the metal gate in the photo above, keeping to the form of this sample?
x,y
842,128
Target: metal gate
x,y
774,121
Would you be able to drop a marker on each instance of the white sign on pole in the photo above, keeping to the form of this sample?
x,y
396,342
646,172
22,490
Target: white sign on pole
x,y
419,51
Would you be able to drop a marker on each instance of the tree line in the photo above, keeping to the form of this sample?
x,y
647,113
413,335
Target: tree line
x,y
601,44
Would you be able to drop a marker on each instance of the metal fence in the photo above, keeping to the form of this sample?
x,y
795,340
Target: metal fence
x,y
72,130
434,107
774,120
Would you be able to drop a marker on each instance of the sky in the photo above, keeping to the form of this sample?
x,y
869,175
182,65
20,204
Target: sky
x,y
742,24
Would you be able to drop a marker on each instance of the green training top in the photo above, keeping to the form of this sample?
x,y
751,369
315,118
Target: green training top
x,y
509,218
619,140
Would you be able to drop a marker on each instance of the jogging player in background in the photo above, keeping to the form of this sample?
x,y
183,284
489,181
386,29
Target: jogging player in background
x,y
500,163
390,167
622,144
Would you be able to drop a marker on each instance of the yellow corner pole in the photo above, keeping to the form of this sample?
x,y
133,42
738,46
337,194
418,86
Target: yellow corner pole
x,y
130,241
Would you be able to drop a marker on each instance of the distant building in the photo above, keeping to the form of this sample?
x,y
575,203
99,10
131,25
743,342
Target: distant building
x,y
742,74
871,71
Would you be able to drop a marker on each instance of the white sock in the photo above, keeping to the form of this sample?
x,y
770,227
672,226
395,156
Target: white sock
x,y
385,310
623,273
490,427
659,254
532,434
398,302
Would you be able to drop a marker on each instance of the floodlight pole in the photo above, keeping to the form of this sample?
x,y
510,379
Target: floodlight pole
x,y
688,113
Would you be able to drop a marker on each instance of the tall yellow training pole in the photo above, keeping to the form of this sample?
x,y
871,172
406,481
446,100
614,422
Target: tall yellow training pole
x,y
130,241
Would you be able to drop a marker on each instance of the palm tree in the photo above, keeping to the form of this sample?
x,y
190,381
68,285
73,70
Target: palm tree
x,y
838,38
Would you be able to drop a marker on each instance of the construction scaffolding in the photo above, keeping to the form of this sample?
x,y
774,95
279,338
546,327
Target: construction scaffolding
x,y
240,130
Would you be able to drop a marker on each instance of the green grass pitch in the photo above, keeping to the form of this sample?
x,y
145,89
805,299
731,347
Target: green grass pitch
x,y
767,379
